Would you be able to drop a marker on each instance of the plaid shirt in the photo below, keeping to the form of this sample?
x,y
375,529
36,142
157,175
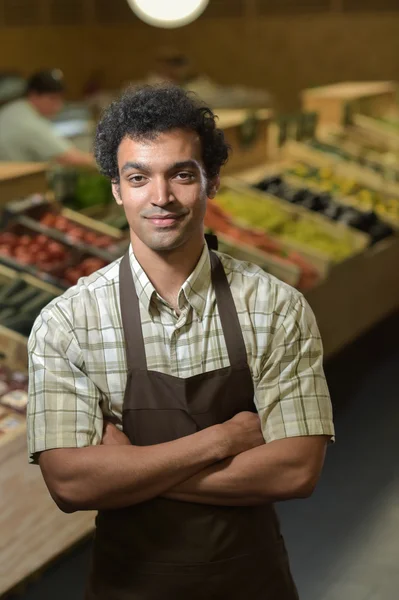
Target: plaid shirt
x,y
78,367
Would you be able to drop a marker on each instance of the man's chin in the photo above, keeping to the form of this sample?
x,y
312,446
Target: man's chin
x,y
167,244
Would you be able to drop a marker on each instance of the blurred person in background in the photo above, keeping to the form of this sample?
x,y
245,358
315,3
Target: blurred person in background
x,y
175,67
26,133
171,66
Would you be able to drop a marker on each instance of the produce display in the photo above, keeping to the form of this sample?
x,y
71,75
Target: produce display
x,y
77,233
325,203
20,304
370,205
220,222
13,399
260,213
367,147
80,190
68,227
380,163
42,256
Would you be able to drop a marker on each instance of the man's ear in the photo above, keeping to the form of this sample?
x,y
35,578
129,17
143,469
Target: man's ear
x,y
213,186
116,192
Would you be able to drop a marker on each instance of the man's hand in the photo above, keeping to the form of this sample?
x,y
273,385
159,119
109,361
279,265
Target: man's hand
x,y
243,432
112,436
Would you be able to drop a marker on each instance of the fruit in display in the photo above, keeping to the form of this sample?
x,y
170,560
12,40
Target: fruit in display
x,y
259,213
48,256
84,269
219,221
362,159
38,250
20,304
370,205
76,232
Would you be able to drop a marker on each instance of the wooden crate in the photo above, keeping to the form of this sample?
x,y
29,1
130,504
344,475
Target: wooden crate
x,y
353,143
92,224
34,206
377,130
247,134
18,180
331,101
7,274
320,260
352,170
33,530
357,294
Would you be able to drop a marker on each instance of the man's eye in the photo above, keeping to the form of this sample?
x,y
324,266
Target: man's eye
x,y
136,179
185,176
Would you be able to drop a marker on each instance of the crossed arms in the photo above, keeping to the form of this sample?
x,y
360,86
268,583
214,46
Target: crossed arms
x,y
227,464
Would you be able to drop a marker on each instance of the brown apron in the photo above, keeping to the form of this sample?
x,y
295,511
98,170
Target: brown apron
x,y
168,550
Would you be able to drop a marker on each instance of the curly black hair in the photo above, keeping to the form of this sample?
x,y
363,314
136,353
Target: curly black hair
x,y
144,112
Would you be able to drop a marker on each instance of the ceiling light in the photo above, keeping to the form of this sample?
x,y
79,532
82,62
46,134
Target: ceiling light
x,y
168,13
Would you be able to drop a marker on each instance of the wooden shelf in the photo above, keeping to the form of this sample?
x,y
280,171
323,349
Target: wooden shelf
x,y
18,180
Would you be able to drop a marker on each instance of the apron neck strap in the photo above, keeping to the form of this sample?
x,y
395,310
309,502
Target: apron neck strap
x,y
228,314
131,318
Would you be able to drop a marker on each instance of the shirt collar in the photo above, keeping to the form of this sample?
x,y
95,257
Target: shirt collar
x,y
194,290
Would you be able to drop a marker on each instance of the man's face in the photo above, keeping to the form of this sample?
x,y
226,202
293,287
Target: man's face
x,y
163,189
48,105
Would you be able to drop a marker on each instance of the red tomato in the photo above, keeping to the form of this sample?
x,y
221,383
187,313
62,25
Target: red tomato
x,y
24,240
72,275
55,250
76,233
34,248
48,219
5,250
41,240
104,241
42,256
8,239
24,256
61,223
90,238
90,265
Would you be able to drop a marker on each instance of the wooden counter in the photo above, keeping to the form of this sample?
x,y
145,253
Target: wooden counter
x,y
21,179
33,530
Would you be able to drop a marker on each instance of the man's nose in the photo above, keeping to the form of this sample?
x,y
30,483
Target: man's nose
x,y
162,193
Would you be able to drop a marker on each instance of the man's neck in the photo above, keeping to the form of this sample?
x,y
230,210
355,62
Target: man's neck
x,y
168,271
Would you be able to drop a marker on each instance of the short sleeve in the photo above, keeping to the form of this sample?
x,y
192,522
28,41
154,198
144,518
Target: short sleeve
x,y
292,394
43,143
64,406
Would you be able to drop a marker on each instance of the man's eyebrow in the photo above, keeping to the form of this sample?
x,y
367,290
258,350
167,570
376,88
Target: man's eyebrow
x,y
184,164
134,165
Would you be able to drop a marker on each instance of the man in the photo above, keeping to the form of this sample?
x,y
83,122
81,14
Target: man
x,y
26,135
210,369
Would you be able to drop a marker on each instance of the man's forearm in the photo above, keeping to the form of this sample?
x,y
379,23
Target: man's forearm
x,y
280,470
76,158
110,477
